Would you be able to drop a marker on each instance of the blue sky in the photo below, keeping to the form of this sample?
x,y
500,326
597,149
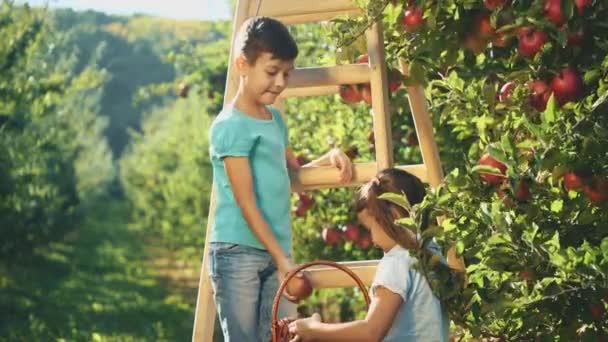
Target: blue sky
x,y
177,9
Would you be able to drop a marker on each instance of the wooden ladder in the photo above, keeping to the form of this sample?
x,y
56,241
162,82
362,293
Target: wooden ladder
x,y
323,81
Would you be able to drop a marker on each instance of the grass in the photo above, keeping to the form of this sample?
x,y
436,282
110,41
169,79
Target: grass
x,y
98,285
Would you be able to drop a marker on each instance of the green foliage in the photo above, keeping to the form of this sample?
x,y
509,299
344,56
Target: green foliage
x,y
48,128
99,284
166,174
536,263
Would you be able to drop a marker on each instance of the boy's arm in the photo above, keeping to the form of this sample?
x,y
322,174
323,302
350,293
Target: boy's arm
x,y
241,182
382,311
335,157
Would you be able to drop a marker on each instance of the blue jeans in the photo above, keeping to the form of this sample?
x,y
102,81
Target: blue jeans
x,y
244,281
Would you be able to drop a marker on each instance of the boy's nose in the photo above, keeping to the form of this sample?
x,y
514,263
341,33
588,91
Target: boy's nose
x,y
280,81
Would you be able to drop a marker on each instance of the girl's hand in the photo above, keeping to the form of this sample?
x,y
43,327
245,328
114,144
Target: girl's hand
x,y
339,159
304,328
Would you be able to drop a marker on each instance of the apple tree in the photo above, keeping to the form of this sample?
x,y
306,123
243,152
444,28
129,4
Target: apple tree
x,y
517,92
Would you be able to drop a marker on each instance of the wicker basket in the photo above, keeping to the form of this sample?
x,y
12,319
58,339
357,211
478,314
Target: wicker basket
x,y
280,329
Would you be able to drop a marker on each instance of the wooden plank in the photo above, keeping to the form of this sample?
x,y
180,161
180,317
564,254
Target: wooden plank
x,y
424,130
325,277
325,76
380,101
284,8
323,177
310,91
204,315
316,17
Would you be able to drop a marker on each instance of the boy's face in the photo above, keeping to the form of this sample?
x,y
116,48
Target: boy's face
x,y
266,79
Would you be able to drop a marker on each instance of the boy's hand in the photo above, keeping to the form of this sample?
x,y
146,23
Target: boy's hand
x,y
304,328
284,266
339,159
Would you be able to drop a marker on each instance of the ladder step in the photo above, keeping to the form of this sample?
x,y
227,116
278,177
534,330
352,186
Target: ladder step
x,y
325,76
325,277
323,177
310,91
286,8
316,17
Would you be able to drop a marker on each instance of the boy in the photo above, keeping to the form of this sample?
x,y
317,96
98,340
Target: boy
x,y
251,239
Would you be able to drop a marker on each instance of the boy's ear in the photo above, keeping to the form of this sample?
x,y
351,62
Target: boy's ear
x,y
241,64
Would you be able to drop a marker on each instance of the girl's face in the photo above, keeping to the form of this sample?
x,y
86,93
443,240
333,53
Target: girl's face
x,y
379,236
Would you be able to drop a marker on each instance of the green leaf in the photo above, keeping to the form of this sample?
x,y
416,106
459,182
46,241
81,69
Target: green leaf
x,y
557,206
507,144
432,231
398,199
486,169
417,72
497,153
549,113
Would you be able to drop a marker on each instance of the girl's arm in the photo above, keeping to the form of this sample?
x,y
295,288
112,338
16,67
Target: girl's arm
x,y
382,311
241,182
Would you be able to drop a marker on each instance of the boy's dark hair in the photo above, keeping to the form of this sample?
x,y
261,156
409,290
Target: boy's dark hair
x,y
386,212
264,34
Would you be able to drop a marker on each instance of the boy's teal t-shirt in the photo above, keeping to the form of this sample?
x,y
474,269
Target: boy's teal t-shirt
x,y
264,142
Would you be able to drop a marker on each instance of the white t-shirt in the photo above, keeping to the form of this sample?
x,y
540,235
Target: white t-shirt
x,y
420,317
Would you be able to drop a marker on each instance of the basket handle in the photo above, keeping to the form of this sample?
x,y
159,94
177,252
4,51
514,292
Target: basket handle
x,y
278,332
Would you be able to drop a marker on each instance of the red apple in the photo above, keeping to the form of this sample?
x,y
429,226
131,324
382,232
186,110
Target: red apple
x,y
349,94
493,4
412,18
365,240
475,43
299,287
576,37
539,94
306,200
502,40
505,91
352,152
523,30
394,80
526,275
581,4
331,235
302,160
572,181
597,311
366,93
553,12
184,88
567,86
351,232
531,41
506,199
484,27
301,209
412,139
523,192
488,160
371,138
597,191
363,59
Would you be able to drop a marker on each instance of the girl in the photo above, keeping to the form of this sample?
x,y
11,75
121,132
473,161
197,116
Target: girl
x,y
403,307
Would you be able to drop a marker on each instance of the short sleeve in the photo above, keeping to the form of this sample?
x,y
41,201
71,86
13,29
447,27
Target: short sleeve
x,y
229,138
283,126
393,274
